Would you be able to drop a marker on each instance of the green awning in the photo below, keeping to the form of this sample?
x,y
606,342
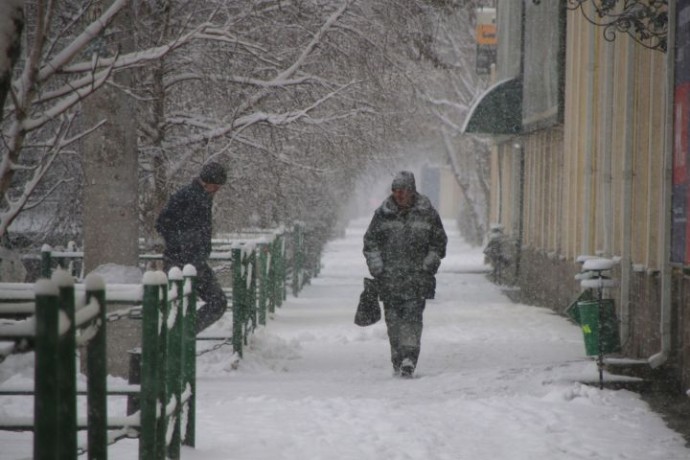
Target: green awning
x,y
498,110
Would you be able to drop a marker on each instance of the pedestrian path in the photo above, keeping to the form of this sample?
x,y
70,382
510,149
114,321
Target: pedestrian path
x,y
496,380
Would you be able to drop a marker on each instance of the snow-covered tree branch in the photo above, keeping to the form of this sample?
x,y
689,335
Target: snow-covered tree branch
x,y
296,97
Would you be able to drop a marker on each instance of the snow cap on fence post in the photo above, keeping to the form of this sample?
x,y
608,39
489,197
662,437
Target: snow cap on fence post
x,y
62,278
45,287
175,274
189,270
154,278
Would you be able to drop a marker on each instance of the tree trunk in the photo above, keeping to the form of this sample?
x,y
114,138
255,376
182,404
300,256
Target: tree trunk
x,y
111,195
111,222
110,160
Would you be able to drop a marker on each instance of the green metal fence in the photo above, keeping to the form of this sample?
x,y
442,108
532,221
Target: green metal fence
x,y
168,380
263,264
47,318
52,329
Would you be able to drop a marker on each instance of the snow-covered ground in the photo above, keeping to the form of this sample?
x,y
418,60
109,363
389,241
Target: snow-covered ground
x,y
496,380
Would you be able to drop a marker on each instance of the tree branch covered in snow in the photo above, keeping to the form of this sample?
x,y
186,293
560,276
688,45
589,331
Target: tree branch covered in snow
x,y
296,97
448,97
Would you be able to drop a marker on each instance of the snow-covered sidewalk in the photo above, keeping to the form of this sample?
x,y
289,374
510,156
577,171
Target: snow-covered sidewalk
x,y
496,380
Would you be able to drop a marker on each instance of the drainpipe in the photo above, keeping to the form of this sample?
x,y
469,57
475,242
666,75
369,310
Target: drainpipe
x,y
626,258
661,357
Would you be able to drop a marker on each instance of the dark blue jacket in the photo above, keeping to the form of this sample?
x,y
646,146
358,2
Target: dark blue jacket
x,y
185,223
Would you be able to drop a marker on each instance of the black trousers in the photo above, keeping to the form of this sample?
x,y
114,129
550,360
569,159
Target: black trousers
x,y
207,289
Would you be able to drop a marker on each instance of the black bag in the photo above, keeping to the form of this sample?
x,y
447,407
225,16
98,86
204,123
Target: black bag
x,y
368,310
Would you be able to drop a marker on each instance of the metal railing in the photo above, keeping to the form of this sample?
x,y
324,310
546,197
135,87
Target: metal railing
x,y
44,318
57,327
263,264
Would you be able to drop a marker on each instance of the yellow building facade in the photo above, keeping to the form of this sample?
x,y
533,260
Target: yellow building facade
x,y
589,170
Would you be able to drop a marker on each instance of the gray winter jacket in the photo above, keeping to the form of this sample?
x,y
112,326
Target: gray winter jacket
x,y
404,248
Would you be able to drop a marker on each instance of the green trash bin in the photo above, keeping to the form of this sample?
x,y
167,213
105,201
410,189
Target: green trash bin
x,y
589,321
573,312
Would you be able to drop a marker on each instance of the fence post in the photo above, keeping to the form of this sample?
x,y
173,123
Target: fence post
x,y
67,368
46,261
283,268
253,271
96,352
134,379
263,278
174,378
46,441
296,259
271,286
162,356
149,365
238,293
189,352
279,255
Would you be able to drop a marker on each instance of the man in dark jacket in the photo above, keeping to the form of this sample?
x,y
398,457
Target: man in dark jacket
x,y
403,246
185,223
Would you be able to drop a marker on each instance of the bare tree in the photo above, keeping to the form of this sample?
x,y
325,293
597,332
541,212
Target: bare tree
x,y
297,97
304,98
55,75
448,92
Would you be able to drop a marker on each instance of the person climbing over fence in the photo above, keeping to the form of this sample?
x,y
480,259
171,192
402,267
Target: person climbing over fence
x,y
403,247
185,223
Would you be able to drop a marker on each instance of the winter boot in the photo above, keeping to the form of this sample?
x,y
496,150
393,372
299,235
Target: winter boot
x,y
407,368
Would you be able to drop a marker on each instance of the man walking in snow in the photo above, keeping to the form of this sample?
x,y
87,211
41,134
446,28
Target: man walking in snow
x,y
185,223
403,246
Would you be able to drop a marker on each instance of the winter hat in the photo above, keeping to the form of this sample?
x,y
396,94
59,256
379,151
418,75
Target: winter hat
x,y
213,173
404,180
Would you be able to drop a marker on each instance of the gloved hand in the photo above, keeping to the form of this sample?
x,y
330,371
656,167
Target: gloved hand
x,y
375,264
431,262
